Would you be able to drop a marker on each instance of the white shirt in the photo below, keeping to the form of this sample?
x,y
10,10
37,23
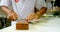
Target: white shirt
x,y
23,8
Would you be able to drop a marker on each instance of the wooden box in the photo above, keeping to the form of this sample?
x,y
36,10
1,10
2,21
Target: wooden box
x,y
22,25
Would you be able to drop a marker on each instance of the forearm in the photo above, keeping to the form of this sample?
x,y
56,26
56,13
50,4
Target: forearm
x,y
11,14
41,11
6,9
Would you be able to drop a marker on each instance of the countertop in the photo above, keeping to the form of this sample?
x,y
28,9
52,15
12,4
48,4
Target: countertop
x,y
45,24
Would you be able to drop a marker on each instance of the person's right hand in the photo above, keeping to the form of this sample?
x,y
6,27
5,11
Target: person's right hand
x,y
12,16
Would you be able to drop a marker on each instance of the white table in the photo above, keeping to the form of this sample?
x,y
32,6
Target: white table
x,y
47,25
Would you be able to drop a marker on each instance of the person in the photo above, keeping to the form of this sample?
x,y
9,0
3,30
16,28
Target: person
x,y
57,4
23,9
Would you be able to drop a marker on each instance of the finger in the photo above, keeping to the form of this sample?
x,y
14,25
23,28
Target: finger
x,y
30,17
10,18
36,17
14,17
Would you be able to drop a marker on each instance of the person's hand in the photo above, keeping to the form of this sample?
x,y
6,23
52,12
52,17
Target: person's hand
x,y
32,16
12,16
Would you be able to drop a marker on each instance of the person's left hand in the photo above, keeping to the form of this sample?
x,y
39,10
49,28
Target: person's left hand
x,y
32,16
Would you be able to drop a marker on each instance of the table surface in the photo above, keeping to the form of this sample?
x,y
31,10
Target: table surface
x,y
46,24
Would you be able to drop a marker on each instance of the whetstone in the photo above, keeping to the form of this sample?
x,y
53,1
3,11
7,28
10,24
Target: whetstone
x,y
22,25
